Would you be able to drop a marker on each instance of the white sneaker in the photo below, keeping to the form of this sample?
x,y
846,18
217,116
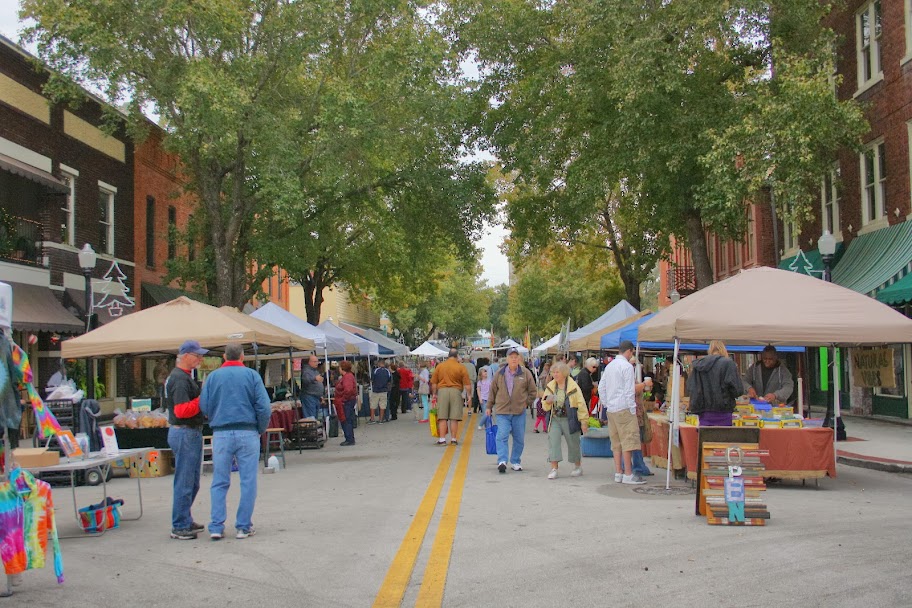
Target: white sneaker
x,y
552,474
633,480
618,477
576,472
516,467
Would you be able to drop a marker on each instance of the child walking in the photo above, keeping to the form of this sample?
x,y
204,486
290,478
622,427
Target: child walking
x,y
484,389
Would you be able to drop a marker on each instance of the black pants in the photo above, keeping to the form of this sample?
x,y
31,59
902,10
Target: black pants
x,y
348,428
405,400
13,437
393,406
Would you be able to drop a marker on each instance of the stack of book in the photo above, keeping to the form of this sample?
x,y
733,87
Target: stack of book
x,y
716,460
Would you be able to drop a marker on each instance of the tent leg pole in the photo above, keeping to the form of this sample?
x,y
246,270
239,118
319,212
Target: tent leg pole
x,y
672,420
836,379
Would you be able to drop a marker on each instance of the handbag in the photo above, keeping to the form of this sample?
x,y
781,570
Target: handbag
x,y
490,437
432,422
573,421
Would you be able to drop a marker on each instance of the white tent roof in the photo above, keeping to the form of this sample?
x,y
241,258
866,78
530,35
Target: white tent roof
x,y
365,347
399,350
544,346
278,316
580,339
772,306
429,350
510,343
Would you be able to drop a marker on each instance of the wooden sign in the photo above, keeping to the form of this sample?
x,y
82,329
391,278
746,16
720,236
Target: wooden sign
x,y
873,367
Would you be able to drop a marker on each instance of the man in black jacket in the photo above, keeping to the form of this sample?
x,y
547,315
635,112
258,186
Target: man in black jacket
x,y
713,386
587,379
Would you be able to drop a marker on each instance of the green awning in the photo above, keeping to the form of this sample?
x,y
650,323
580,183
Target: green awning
x,y
899,292
872,260
809,262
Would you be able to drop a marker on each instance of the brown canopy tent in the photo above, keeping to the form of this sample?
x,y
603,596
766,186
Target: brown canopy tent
x,y
161,330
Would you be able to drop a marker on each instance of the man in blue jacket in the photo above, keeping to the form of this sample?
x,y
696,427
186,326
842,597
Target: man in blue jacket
x,y
237,405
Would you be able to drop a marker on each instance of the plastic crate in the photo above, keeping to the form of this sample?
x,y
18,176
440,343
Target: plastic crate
x,y
596,447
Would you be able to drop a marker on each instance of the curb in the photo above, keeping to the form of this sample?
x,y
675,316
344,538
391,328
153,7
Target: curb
x,y
887,467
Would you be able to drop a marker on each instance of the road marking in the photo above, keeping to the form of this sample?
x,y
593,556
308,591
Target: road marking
x,y
400,571
435,574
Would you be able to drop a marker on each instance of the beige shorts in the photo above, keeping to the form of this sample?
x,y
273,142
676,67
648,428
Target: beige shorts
x,y
624,431
378,400
449,404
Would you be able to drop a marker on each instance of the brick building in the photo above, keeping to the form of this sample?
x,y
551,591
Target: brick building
x,y
64,183
865,200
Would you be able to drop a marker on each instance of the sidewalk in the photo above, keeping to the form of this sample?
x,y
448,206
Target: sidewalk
x,y
875,444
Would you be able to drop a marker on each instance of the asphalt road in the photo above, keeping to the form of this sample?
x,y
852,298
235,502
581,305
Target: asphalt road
x,y
330,526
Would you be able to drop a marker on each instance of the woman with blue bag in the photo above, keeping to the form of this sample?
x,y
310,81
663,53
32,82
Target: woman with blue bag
x,y
569,417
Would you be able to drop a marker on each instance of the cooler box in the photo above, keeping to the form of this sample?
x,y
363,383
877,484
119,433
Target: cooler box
x,y
596,447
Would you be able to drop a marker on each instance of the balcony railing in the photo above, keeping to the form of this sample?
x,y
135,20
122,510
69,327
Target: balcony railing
x,y
683,279
20,240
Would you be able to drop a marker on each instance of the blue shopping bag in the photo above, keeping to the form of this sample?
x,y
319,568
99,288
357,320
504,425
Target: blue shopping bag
x,y
490,437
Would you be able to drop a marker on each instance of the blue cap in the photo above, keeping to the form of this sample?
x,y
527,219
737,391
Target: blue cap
x,y
191,346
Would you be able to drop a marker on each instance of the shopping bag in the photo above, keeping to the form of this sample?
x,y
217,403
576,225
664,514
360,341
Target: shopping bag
x,y
432,422
334,426
490,437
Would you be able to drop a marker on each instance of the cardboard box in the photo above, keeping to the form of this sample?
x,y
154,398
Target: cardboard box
x,y
156,463
36,457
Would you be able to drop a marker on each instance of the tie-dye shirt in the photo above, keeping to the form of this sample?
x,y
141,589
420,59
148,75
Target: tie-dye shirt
x,y
26,523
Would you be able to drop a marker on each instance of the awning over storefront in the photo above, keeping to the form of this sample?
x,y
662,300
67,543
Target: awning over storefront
x,y
74,299
31,173
153,294
898,293
810,262
873,260
35,308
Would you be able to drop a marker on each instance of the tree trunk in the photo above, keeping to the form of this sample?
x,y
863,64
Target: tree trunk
x,y
313,297
623,261
696,241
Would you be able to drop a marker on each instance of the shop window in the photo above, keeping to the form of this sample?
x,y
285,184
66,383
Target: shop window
x,y
106,219
68,227
873,183
899,370
868,36
150,231
829,197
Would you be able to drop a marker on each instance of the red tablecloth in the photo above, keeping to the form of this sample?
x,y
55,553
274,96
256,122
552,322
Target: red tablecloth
x,y
808,449
283,420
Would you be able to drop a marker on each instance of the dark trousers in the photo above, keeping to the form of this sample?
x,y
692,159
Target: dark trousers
x,y
348,428
393,406
405,400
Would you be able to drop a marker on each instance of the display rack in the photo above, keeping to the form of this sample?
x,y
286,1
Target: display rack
x,y
717,461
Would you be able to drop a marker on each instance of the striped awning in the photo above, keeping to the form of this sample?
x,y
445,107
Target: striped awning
x,y
875,260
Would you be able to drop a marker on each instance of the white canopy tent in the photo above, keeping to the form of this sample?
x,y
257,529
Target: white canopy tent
x,y
399,350
511,343
365,347
589,336
542,348
429,350
778,307
325,345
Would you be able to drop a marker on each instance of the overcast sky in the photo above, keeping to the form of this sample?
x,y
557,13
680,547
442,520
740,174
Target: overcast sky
x,y
492,260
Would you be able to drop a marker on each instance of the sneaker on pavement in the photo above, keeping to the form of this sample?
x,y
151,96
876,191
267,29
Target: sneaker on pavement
x,y
216,535
455,442
618,477
633,480
241,534
576,472
502,467
195,527
183,534
480,427
552,474
516,467
347,443
441,442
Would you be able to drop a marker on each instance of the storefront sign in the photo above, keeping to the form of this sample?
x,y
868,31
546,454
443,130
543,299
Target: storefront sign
x,y
873,367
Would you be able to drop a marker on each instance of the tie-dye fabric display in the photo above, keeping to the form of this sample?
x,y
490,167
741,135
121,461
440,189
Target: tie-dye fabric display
x,y
26,524
45,421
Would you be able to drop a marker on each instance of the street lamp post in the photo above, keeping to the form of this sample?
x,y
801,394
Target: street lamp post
x,y
826,245
87,259
674,296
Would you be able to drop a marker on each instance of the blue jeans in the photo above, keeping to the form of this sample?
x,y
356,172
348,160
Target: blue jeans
x,y
639,465
348,428
508,424
309,405
187,446
245,447
424,406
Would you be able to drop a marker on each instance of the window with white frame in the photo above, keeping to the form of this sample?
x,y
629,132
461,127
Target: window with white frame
x,y
789,230
907,8
868,36
68,227
829,200
873,183
106,218
750,234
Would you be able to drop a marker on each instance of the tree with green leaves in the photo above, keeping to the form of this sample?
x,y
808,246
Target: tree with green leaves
x,y
561,283
497,311
672,115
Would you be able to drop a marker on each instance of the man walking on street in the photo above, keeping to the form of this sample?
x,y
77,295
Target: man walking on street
x,y
448,382
311,388
185,437
237,405
380,385
513,390
617,393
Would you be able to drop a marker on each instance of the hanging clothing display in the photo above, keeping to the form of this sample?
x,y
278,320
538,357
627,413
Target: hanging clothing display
x,y
26,524
15,370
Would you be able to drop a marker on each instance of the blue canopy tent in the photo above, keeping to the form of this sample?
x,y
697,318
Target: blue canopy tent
x,y
631,332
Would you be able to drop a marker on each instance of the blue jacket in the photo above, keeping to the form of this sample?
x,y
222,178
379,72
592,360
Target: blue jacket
x,y
234,399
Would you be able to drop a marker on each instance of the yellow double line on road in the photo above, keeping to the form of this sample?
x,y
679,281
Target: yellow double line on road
x,y
400,571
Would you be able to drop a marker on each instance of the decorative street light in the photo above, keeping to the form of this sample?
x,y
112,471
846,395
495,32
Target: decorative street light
x,y
674,296
87,259
826,245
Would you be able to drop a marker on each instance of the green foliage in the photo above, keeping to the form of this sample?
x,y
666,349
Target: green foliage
x,y
500,302
558,284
